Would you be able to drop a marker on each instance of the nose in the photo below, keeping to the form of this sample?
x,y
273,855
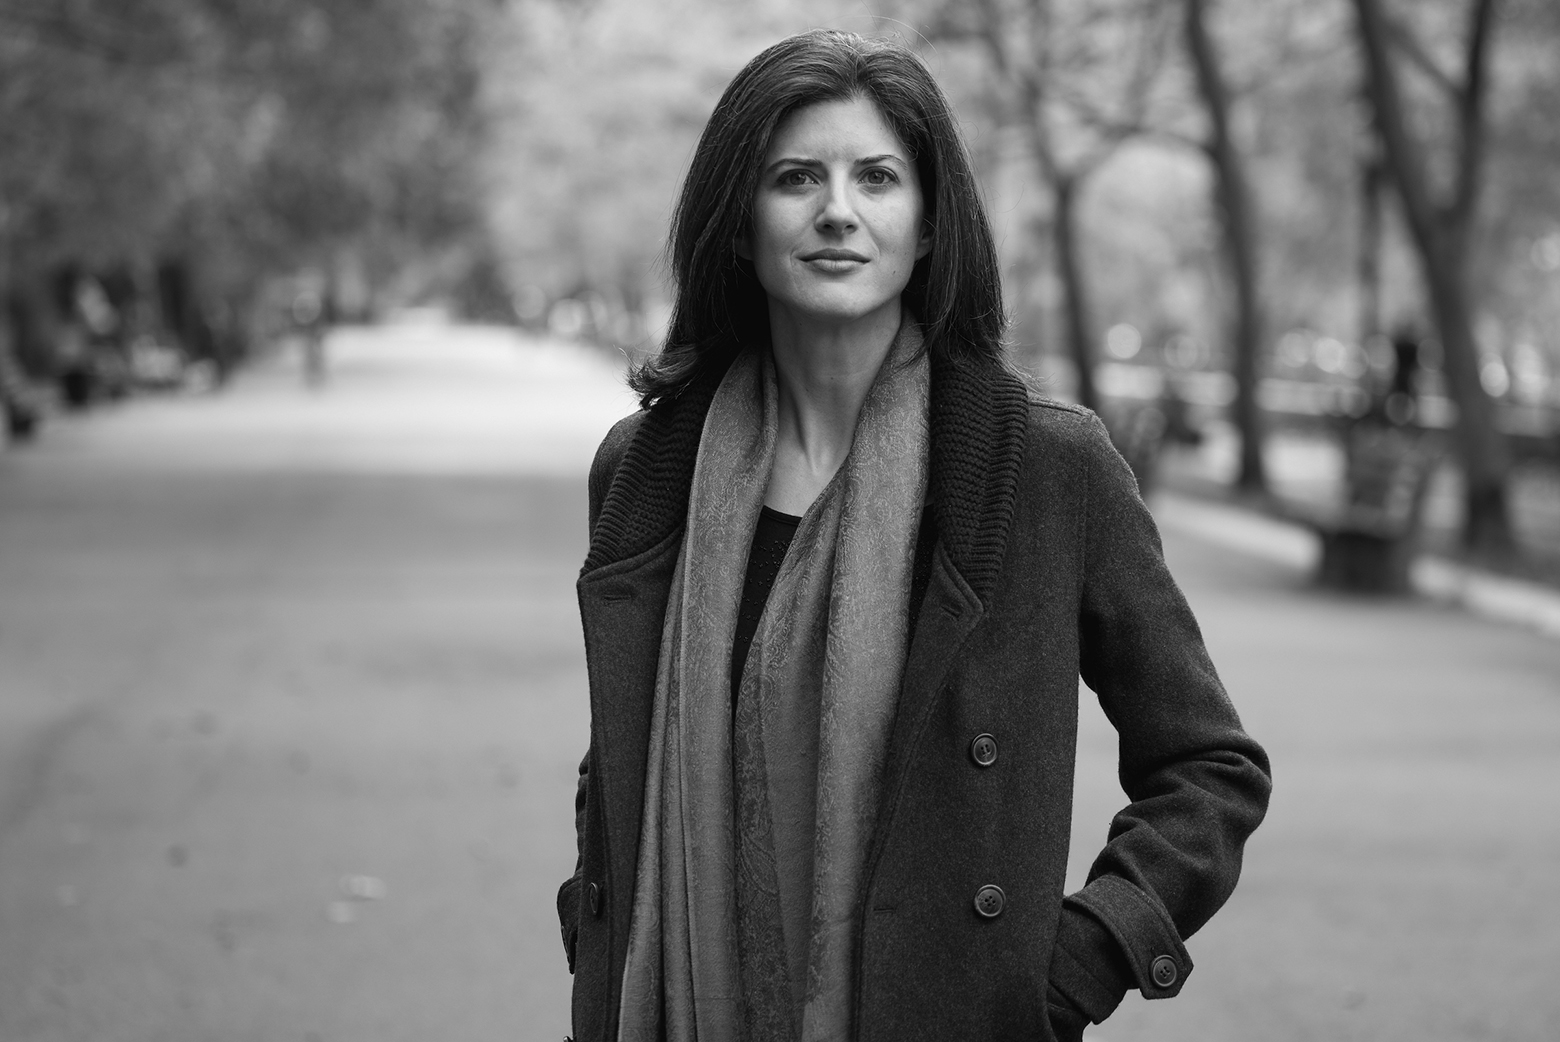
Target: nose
x,y
838,213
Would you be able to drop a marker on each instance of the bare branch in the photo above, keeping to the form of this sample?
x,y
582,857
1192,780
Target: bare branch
x,y
1154,43
1403,151
1290,52
1210,84
1019,40
1117,131
1027,79
1470,113
97,38
1147,63
1401,37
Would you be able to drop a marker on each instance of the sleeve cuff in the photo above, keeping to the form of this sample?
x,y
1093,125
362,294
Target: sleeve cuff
x,y
1146,936
1087,965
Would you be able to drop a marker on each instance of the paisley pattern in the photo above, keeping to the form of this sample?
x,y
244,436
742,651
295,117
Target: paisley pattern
x,y
743,836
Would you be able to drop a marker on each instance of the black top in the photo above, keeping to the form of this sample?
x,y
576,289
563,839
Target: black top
x,y
771,539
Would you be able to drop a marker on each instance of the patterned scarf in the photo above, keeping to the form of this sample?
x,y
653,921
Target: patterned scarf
x,y
707,953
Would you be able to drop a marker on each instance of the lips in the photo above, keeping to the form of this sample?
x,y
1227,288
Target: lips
x,y
834,255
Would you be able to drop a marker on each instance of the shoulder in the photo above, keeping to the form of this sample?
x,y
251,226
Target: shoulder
x,y
1069,444
609,456
1075,455
612,448
1072,430
1043,409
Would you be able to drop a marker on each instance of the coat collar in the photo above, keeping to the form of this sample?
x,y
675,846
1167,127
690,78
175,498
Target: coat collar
x,y
978,418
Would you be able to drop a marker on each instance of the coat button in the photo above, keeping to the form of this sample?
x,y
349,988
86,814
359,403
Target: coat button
x,y
989,901
1164,971
593,898
983,750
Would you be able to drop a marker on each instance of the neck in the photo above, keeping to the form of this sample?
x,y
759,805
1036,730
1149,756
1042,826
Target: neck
x,y
824,374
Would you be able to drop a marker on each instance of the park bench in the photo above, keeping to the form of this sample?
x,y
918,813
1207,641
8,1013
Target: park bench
x,y
17,401
1141,434
1139,437
1368,543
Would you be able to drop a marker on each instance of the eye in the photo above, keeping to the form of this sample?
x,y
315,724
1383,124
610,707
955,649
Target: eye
x,y
878,177
796,178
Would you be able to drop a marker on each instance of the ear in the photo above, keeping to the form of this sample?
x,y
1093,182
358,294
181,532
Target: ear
x,y
742,246
924,246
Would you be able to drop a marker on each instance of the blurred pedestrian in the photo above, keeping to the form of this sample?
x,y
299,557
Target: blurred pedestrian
x,y
311,319
844,573
17,404
1401,405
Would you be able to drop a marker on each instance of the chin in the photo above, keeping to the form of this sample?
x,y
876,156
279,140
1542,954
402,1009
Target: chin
x,y
836,311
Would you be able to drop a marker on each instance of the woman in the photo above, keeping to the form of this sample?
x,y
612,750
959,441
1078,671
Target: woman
x,y
844,574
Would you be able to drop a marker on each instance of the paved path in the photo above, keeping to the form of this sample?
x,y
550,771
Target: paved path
x,y
254,646
291,697
1402,887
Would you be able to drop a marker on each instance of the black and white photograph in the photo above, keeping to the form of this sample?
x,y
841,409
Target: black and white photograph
x,y
779,520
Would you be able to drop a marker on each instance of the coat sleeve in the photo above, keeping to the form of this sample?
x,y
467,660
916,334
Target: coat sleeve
x,y
608,455
1198,784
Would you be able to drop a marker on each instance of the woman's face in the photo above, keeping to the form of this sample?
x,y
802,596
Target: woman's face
x,y
837,217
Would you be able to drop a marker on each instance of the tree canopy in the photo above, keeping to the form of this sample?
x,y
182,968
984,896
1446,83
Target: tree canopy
x,y
257,135
1124,146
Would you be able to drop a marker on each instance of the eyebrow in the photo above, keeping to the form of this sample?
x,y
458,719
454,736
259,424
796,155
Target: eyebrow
x,y
863,161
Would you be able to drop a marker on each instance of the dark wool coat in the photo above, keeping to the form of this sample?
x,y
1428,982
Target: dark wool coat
x,y
1040,564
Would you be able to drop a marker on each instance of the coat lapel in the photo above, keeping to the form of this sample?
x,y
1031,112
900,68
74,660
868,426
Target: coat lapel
x,y
648,498
978,419
949,612
622,608
623,589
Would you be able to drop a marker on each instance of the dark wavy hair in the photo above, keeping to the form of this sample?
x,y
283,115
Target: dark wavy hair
x,y
955,290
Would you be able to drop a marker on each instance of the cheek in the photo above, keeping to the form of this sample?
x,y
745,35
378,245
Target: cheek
x,y
776,222
906,234
771,241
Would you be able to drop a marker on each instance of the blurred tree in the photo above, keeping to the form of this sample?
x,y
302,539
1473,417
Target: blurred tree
x,y
1372,178
1516,279
1238,218
366,124
1442,230
1074,81
598,108
238,139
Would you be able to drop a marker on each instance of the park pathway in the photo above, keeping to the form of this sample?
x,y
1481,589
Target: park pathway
x,y
291,697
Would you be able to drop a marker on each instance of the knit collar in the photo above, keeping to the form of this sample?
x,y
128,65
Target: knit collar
x,y
977,419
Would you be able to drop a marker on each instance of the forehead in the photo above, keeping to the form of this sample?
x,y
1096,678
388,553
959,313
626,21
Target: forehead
x,y
844,129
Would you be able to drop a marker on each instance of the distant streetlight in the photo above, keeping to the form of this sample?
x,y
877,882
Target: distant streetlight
x,y
1123,341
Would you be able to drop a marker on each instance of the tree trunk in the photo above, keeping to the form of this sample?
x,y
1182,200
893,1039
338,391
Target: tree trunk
x,y
1369,271
1075,298
1484,454
1233,198
1441,236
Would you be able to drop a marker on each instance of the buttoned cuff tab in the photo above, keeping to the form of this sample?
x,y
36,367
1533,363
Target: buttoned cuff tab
x,y
1087,965
1142,927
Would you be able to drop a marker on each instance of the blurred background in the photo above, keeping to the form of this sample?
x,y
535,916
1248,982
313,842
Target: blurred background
x,y
313,313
